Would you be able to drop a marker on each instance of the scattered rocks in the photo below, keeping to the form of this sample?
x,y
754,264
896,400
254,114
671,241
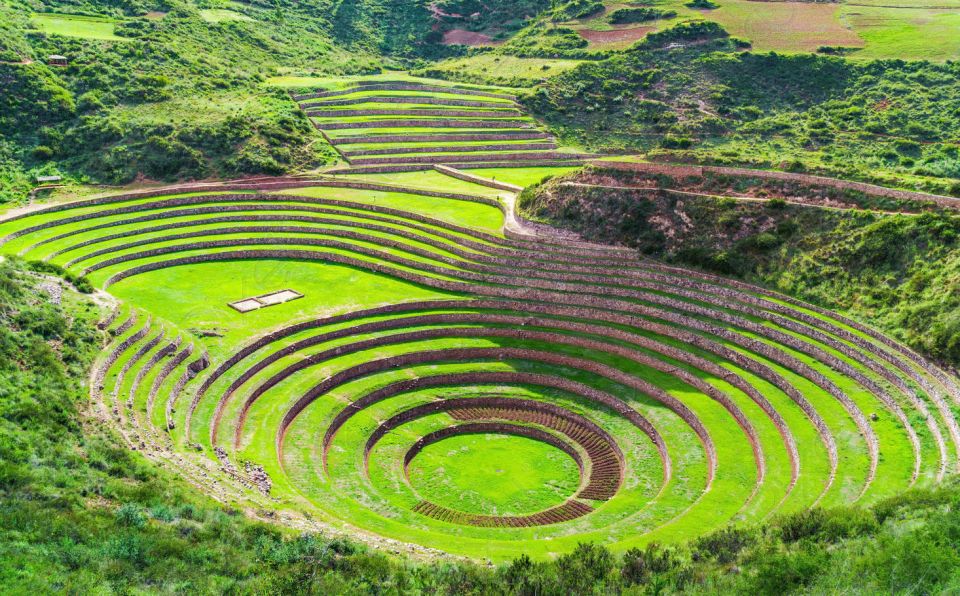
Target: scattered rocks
x,y
259,477
53,290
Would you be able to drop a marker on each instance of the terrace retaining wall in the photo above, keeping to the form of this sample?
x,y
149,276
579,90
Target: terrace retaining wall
x,y
451,149
435,123
528,293
441,137
401,86
513,158
512,113
437,101
477,179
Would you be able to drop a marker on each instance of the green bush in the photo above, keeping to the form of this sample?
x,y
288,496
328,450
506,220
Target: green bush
x,y
640,565
724,545
578,9
131,515
625,16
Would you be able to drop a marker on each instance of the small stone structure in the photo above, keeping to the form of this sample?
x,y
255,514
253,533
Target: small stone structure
x,y
279,297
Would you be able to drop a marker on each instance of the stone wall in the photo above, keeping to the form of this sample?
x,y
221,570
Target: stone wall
x,y
442,138
436,101
442,113
427,123
452,149
403,86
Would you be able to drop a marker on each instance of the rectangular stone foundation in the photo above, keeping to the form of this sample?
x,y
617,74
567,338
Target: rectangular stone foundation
x,y
264,300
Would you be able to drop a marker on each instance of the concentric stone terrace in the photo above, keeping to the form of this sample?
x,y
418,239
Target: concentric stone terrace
x,y
390,126
447,384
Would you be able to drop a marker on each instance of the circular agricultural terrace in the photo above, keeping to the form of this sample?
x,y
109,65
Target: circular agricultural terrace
x,y
431,379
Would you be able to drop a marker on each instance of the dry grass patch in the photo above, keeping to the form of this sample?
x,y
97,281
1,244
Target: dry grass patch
x,y
615,36
785,26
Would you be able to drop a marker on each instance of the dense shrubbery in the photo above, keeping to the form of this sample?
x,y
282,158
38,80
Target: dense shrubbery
x,y
543,41
182,97
625,16
702,4
577,9
495,16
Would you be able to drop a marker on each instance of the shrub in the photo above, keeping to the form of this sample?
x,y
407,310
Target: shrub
x,y
639,565
162,513
777,204
676,142
580,9
131,515
584,569
723,545
781,573
907,147
128,548
691,31
42,153
799,525
624,16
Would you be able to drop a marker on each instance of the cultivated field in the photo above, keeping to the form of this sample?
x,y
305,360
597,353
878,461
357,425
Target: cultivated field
x,y
451,379
904,29
97,28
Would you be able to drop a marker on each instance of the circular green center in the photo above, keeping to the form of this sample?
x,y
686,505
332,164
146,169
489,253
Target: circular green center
x,y
494,474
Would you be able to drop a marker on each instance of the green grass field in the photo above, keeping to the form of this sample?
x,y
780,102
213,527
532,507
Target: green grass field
x,y
786,26
76,26
219,15
494,474
913,31
506,68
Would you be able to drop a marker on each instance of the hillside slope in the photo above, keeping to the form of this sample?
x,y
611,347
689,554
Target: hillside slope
x,y
171,90
888,261
691,94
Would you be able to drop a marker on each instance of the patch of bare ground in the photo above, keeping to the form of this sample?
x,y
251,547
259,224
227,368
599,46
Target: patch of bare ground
x,y
468,38
615,35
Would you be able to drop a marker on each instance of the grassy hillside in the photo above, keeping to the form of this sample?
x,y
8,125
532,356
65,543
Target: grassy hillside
x,y
862,29
172,90
688,94
891,263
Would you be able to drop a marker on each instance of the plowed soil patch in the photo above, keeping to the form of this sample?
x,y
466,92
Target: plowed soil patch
x,y
615,35
468,38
